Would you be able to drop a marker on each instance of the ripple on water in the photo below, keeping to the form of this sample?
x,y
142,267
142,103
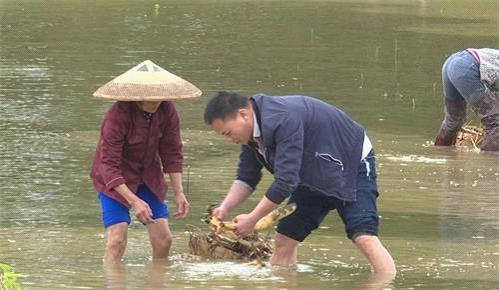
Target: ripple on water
x,y
201,271
210,270
415,158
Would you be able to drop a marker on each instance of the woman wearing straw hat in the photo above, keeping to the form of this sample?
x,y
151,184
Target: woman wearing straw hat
x,y
139,142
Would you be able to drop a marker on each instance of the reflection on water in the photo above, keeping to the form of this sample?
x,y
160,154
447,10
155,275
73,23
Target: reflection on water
x,y
378,60
157,277
447,201
470,189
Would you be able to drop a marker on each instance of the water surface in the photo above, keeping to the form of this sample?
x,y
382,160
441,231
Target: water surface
x,y
378,60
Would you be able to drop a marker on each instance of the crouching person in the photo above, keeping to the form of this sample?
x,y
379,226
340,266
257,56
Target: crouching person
x,y
320,158
471,77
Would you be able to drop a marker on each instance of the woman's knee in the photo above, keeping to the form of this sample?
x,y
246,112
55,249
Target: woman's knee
x,y
161,247
116,237
162,241
160,235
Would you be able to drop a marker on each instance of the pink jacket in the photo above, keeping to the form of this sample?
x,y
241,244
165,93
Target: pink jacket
x,y
134,151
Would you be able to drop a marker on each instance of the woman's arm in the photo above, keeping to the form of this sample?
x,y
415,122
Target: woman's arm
x,y
180,198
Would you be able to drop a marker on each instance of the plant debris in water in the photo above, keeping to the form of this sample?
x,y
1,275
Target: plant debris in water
x,y
470,136
221,242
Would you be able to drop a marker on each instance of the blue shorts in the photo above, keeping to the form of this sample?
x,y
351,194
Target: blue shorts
x,y
359,217
114,212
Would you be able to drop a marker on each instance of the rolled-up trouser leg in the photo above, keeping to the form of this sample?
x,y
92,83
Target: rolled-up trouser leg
x,y
455,116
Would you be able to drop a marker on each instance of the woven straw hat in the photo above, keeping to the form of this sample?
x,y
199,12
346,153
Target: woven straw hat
x,y
147,82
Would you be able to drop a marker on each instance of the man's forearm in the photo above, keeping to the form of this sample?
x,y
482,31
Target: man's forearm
x,y
264,207
238,193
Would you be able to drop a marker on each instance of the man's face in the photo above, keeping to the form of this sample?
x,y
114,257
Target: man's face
x,y
237,128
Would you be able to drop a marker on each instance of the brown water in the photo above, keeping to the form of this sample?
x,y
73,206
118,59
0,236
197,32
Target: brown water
x,y
378,60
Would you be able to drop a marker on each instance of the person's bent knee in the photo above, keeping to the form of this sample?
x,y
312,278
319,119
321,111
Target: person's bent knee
x,y
161,248
116,245
368,226
116,242
363,237
116,237
160,237
282,241
162,243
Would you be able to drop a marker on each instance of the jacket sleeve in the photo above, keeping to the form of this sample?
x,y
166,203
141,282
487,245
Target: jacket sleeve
x,y
249,170
111,145
288,139
170,145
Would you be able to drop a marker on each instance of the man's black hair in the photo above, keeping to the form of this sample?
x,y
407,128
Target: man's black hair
x,y
223,104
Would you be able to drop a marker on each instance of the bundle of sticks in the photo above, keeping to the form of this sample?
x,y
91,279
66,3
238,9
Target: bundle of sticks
x,y
470,136
221,242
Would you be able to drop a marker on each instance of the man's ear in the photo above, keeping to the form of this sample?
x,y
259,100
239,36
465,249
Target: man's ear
x,y
244,113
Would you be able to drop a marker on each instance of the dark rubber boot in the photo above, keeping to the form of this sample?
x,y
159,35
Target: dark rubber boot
x,y
487,109
455,116
491,139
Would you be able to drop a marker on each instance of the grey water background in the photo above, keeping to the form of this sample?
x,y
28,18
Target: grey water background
x,y
380,61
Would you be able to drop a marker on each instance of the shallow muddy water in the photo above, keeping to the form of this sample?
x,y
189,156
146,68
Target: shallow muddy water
x,y
377,60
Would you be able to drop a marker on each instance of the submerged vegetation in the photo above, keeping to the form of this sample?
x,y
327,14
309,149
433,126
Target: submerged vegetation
x,y
8,279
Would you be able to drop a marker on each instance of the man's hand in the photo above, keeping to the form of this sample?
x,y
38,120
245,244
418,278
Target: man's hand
x,y
245,224
221,213
183,206
142,211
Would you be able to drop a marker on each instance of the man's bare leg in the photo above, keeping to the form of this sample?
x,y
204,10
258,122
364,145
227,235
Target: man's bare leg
x,y
286,251
380,259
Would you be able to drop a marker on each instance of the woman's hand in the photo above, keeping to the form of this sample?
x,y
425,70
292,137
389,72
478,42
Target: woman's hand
x,y
183,206
142,211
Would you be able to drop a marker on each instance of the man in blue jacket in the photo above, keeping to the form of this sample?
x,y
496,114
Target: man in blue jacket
x,y
320,158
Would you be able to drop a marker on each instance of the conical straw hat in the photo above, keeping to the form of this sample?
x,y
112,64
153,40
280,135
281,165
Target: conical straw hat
x,y
147,82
